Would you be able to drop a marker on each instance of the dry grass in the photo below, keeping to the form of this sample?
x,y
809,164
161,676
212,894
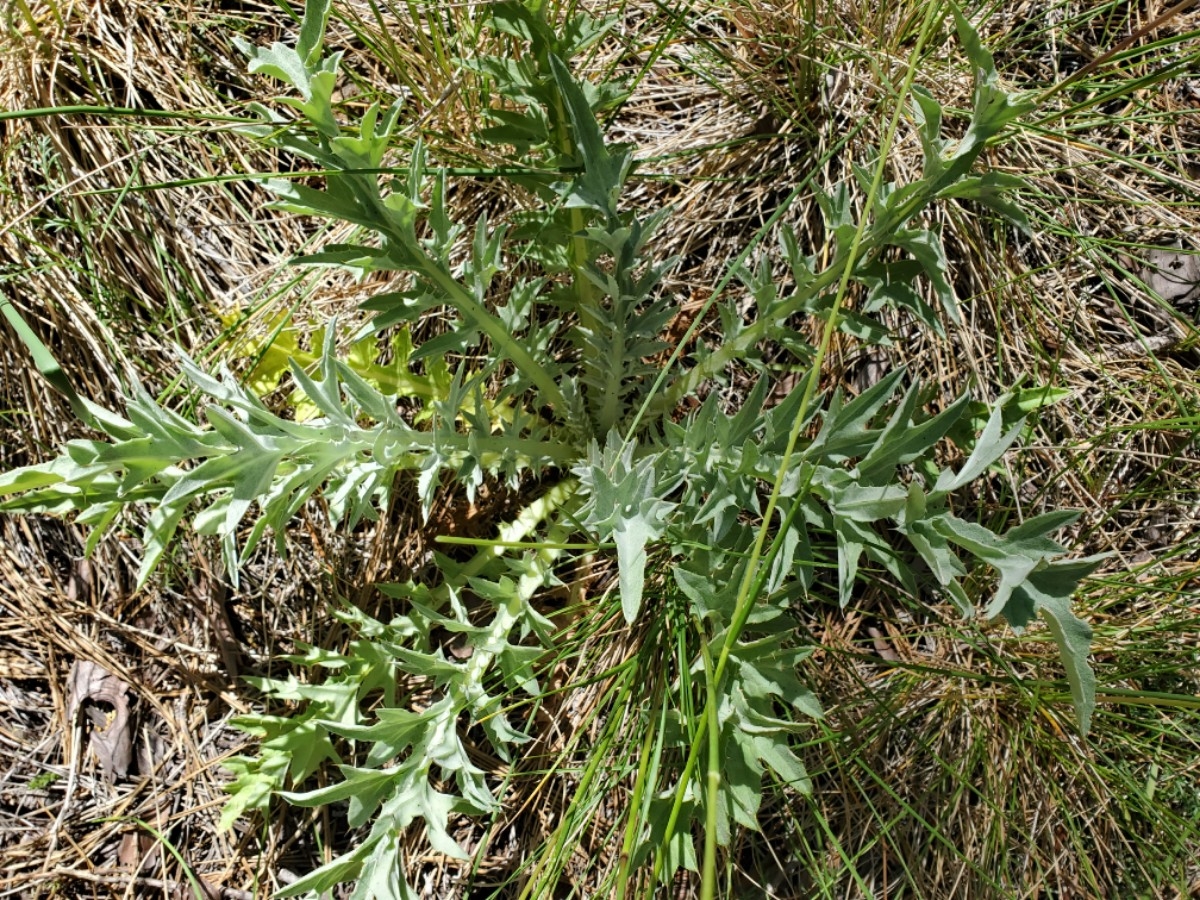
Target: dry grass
x,y
946,769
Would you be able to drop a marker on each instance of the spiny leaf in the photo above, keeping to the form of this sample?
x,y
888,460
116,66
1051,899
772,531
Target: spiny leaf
x,y
604,172
626,506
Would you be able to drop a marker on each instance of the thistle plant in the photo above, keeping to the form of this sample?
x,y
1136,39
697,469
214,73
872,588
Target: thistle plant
x,y
731,516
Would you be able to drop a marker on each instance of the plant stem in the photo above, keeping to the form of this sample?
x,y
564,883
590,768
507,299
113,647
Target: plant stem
x,y
708,879
658,402
505,343
566,828
745,599
634,823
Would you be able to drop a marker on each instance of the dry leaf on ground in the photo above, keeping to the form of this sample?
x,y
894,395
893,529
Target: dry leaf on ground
x,y
103,699
1174,275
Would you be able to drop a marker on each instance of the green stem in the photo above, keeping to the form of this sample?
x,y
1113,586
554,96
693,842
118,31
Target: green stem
x,y
838,271
633,824
702,723
685,778
659,403
708,879
745,599
519,545
754,333
752,577
525,524
504,342
112,111
566,827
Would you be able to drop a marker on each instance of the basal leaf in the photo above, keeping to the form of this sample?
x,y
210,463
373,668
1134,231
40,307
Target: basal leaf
x,y
337,871
1048,592
366,789
255,781
989,447
381,877
626,507
312,30
278,61
1074,639
1015,560
631,535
